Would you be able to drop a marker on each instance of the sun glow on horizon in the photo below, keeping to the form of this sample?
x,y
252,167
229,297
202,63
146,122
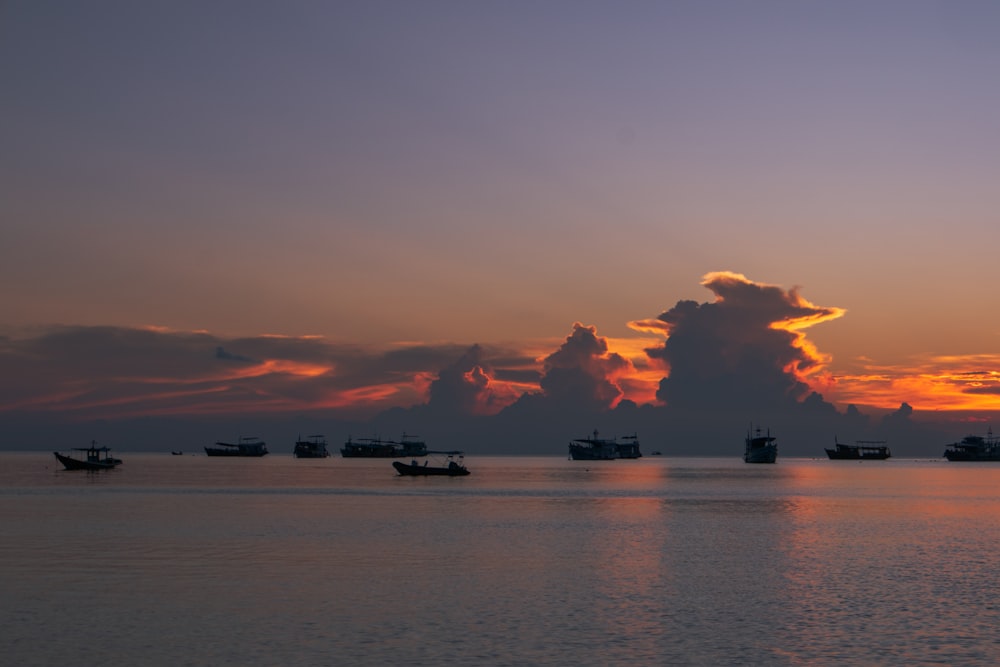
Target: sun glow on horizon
x,y
939,383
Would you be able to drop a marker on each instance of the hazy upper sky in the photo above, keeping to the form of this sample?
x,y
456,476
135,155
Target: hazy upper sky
x,y
374,173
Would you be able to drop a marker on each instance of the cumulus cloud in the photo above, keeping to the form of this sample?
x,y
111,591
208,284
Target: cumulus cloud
x,y
582,371
469,386
745,348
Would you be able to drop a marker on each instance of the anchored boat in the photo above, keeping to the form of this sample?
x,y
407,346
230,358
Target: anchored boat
x,y
760,448
452,465
376,448
605,449
313,448
90,458
975,448
245,447
875,450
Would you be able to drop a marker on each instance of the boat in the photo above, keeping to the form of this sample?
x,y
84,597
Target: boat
x,y
376,448
760,448
92,458
452,465
176,452
975,448
245,447
604,449
875,450
313,448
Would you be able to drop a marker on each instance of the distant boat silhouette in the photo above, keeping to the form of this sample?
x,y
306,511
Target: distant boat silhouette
x,y
604,449
875,450
245,447
94,458
760,448
452,466
314,448
376,448
975,448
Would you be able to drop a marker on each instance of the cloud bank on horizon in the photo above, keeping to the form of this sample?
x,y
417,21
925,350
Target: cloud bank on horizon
x,y
745,352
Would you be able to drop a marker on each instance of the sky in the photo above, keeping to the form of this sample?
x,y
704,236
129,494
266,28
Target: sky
x,y
502,225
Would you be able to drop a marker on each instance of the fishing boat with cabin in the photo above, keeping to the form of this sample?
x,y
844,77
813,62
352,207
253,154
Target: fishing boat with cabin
x,y
975,448
861,450
248,446
313,448
760,448
376,448
89,458
605,449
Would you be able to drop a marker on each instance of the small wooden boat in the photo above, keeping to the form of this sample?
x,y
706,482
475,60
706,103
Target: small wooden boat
x,y
93,458
453,465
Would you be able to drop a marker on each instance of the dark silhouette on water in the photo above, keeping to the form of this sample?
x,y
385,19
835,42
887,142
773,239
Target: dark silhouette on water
x,y
604,449
975,448
760,448
875,450
376,448
452,466
94,458
314,448
248,446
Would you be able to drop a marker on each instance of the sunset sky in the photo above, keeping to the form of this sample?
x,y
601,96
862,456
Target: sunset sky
x,y
341,208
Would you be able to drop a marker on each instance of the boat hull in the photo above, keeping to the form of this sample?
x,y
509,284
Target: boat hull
x,y
972,456
383,449
311,455
765,454
410,470
856,456
583,453
215,451
369,453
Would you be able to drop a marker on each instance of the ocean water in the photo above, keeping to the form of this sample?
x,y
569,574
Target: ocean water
x,y
189,560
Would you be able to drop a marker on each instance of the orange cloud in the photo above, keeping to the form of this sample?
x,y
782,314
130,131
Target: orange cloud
x,y
969,383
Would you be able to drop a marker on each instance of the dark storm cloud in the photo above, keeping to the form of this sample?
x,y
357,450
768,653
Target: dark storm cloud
x,y
743,349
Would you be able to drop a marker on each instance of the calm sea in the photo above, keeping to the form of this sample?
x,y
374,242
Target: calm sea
x,y
189,560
